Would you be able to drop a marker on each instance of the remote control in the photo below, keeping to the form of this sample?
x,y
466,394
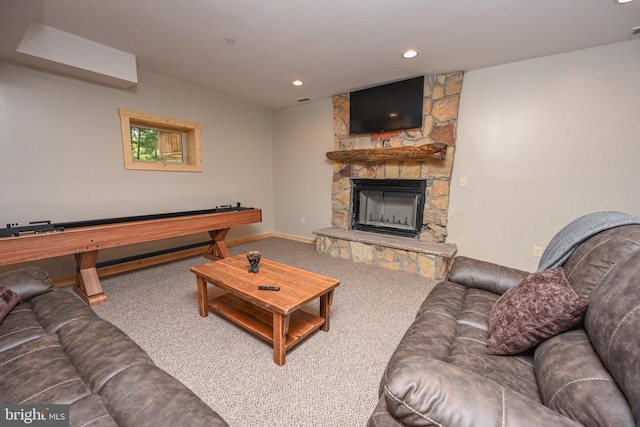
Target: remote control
x,y
269,288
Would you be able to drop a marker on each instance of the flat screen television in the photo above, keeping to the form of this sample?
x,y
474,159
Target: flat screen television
x,y
392,106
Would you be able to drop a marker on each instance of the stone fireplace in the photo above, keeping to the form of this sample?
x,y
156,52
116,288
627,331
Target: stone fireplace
x,y
425,251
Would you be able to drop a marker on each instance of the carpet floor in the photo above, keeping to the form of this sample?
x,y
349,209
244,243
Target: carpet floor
x,y
330,379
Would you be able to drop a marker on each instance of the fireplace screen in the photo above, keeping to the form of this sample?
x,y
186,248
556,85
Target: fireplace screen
x,y
392,206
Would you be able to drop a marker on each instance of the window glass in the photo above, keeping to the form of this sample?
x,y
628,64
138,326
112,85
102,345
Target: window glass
x,y
155,145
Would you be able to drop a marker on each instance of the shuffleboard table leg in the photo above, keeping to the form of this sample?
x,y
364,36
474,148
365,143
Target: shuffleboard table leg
x,y
218,250
87,281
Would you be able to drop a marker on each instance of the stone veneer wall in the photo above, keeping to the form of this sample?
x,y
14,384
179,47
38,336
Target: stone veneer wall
x,y
440,109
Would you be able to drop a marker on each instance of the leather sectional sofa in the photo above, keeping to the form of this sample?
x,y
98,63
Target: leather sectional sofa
x,y
55,350
441,375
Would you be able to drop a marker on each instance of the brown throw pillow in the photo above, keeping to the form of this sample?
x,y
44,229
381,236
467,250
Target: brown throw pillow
x,y
8,300
542,305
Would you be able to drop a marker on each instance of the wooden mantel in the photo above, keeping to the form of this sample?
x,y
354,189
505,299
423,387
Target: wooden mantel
x,y
435,151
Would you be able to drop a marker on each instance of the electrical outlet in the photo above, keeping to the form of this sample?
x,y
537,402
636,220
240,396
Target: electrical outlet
x,y
301,220
464,181
537,251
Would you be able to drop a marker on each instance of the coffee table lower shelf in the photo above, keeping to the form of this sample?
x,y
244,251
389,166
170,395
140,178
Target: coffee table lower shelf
x,y
260,321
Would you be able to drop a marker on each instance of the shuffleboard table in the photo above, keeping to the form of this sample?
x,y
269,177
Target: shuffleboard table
x,y
84,239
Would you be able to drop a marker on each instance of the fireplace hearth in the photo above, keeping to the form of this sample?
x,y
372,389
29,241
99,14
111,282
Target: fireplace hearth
x,y
388,206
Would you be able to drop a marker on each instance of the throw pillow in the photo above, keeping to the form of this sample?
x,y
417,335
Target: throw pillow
x,y
542,305
8,300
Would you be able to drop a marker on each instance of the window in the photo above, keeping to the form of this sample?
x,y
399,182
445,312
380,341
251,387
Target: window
x,y
152,142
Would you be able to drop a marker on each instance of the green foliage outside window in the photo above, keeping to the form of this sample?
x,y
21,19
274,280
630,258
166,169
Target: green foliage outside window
x,y
155,145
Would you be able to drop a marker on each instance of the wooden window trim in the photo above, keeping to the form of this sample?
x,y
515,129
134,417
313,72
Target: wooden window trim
x,y
191,130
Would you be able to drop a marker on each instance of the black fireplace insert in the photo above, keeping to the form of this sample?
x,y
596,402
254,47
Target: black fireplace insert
x,y
389,206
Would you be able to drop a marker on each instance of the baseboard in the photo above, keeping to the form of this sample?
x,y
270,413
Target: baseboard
x,y
148,262
248,239
311,241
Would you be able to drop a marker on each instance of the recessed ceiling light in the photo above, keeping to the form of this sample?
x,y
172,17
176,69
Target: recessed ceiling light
x,y
297,83
623,1
411,53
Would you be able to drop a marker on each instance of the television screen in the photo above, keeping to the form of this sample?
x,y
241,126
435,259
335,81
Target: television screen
x,y
388,107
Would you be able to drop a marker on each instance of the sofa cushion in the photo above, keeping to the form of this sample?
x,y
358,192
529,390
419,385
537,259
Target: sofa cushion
x,y
8,300
39,371
19,327
541,306
97,349
429,392
574,382
612,323
452,326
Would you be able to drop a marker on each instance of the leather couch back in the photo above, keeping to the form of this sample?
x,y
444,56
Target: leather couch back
x,y
591,261
599,366
612,323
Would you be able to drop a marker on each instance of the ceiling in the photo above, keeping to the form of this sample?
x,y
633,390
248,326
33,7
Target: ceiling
x,y
333,46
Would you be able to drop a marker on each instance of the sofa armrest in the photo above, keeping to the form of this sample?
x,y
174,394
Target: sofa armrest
x,y
27,282
427,392
381,417
474,273
146,396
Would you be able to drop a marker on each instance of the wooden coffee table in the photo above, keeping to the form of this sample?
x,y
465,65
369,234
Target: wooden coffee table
x,y
272,315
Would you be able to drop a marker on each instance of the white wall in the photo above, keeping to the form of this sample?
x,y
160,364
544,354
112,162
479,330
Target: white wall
x,y
542,142
302,174
62,151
